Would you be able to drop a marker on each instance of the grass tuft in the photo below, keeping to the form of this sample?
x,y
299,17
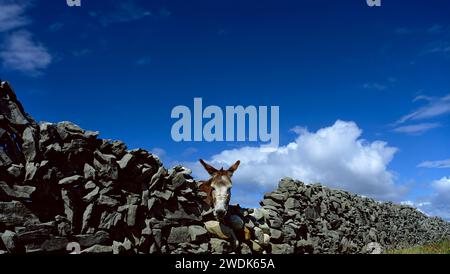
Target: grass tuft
x,y
442,247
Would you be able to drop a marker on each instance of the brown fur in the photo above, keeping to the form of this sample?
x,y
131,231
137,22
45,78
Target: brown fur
x,y
218,178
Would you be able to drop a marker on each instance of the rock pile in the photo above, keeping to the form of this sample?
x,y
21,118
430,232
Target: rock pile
x,y
61,187
316,219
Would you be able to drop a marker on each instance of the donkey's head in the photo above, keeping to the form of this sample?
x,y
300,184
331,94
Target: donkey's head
x,y
218,188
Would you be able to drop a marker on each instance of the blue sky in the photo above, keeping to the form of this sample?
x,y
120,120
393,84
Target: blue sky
x,y
121,66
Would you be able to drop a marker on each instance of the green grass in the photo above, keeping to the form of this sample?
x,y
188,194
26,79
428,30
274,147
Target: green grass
x,y
442,247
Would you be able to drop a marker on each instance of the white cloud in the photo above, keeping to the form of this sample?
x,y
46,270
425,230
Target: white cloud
x,y
158,152
438,203
435,107
433,29
439,48
380,86
20,52
408,203
125,11
442,186
435,164
299,130
335,156
423,97
189,151
417,129
12,15
376,86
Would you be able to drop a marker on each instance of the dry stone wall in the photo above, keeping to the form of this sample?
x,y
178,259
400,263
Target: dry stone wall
x,y
62,187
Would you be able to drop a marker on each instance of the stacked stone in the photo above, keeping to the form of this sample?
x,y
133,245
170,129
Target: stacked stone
x,y
64,189
316,219
61,184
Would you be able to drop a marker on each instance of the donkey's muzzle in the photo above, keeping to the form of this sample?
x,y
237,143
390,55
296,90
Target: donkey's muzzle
x,y
220,213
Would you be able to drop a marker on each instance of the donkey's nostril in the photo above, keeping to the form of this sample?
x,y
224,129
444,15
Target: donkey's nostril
x,y
220,213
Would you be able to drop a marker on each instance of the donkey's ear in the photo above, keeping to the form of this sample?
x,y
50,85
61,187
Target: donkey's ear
x,y
233,168
211,170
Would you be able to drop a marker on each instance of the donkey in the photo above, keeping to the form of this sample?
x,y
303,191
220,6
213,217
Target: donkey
x,y
218,188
